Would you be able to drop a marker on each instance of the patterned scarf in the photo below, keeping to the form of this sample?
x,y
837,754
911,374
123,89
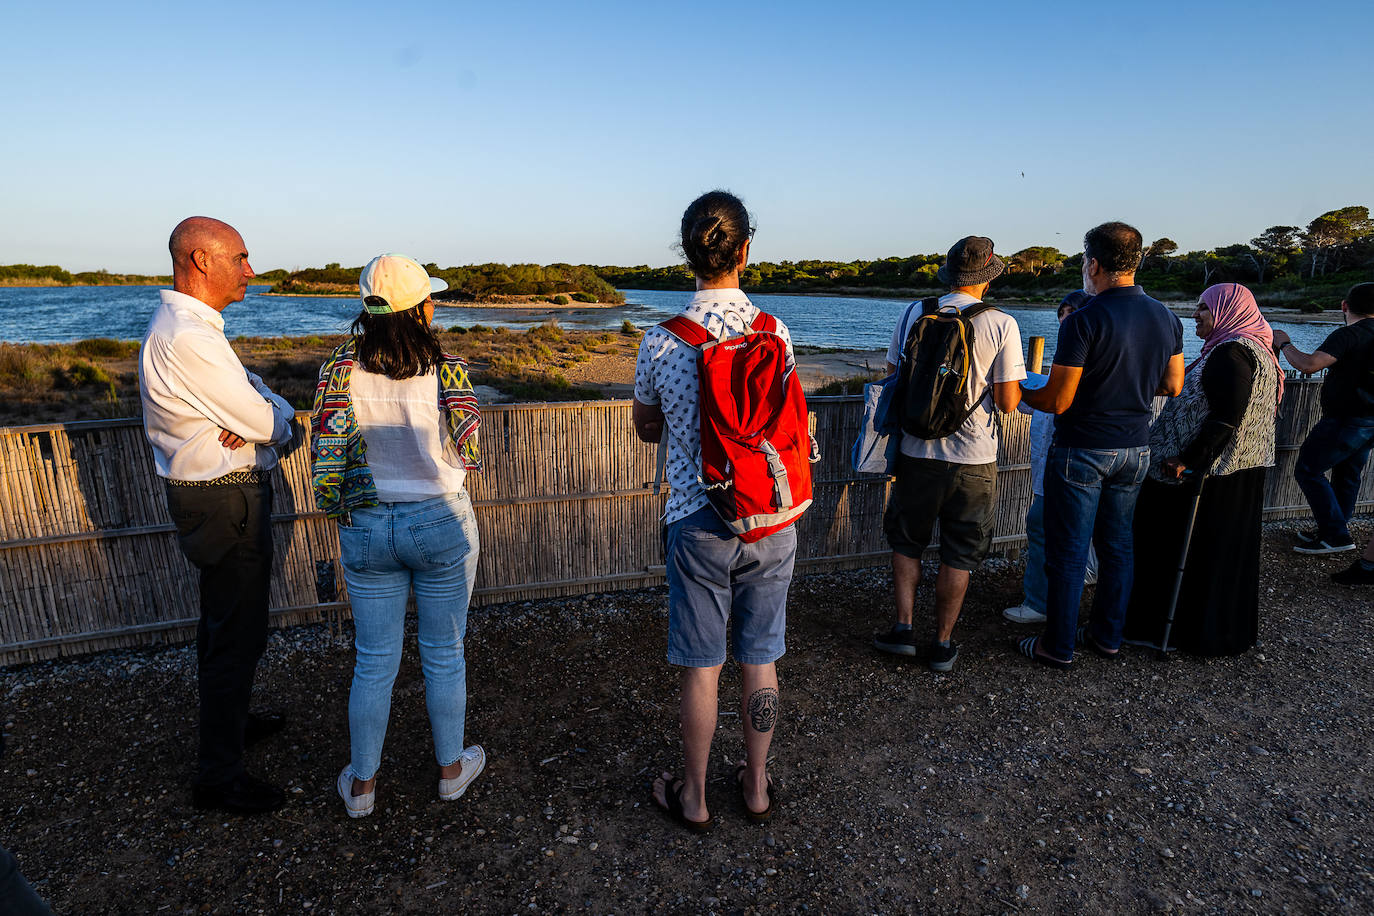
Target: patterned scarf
x,y
341,478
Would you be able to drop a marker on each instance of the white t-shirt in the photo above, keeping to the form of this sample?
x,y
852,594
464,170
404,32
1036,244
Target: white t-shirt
x,y
409,452
666,375
996,358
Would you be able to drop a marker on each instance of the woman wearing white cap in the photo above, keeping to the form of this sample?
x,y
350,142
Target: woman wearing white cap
x,y
393,435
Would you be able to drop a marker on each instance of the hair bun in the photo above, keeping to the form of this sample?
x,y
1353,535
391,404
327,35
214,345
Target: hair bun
x,y
705,230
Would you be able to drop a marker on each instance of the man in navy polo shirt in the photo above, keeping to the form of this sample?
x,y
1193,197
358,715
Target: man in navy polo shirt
x,y
1115,354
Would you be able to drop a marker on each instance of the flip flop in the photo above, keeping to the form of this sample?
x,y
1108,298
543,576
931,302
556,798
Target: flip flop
x,y
672,792
758,817
1084,638
1030,648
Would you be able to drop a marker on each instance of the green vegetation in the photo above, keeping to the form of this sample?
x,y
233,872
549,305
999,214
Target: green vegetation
x,y
98,378
475,283
52,275
1286,266
584,297
106,348
852,385
627,327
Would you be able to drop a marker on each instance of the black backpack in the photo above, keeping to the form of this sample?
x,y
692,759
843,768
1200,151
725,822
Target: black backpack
x,y
933,375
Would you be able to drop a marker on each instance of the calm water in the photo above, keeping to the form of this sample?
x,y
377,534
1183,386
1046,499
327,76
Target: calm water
x,y
56,314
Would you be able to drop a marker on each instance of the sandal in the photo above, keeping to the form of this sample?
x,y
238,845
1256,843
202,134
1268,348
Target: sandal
x,y
758,817
672,792
1030,648
1085,638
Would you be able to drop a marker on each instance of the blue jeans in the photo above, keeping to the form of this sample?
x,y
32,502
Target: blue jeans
x,y
1035,583
390,548
1089,499
1342,447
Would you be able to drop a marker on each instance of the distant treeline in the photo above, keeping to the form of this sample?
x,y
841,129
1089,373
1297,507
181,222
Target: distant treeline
x,y
475,283
1305,267
52,275
1285,265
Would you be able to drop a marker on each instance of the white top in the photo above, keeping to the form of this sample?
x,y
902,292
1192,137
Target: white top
x,y
409,450
996,358
193,385
666,375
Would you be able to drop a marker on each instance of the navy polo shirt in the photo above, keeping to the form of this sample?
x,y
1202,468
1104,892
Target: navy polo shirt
x,y
1123,340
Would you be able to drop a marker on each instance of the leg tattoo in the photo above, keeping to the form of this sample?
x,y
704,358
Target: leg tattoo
x,y
763,709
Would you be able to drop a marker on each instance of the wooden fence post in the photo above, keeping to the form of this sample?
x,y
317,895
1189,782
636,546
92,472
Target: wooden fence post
x,y
1035,355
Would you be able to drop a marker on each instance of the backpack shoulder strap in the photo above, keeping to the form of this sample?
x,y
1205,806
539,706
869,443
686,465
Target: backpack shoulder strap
x,y
928,306
687,331
978,309
764,322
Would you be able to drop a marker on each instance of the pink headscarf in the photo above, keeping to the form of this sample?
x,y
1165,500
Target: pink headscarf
x,y
1235,314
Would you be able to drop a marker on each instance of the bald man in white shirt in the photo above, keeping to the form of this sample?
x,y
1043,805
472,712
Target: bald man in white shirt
x,y
214,428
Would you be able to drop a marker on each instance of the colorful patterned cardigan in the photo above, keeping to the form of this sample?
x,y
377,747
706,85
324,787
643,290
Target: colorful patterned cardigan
x,y
341,478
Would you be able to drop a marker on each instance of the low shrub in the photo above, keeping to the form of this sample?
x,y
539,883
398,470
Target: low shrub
x,y
549,330
80,374
478,329
628,327
852,385
105,347
459,329
584,297
560,299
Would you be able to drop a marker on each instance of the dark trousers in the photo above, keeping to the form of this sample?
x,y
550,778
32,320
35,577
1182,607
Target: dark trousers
x,y
1342,447
17,898
226,531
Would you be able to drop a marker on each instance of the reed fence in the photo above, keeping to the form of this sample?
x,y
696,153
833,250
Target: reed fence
x,y
566,505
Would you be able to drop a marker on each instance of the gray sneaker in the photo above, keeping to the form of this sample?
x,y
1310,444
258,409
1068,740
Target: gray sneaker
x,y
1317,545
942,657
1023,614
896,642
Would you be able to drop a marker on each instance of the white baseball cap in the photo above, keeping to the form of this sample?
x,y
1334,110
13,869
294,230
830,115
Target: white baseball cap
x,y
398,281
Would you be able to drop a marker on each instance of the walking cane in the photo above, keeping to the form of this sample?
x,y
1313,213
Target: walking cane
x,y
1182,563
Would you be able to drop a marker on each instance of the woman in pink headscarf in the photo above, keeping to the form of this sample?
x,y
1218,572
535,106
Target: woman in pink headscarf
x,y
1220,430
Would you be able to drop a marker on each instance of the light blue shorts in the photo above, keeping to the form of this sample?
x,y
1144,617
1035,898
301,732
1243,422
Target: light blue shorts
x,y
714,578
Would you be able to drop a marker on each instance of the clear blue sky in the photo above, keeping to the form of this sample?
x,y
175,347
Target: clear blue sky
x,y
542,132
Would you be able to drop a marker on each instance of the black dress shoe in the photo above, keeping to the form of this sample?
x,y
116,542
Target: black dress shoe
x,y
262,724
243,794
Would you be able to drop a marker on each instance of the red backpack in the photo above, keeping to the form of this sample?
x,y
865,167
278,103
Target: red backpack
x,y
756,443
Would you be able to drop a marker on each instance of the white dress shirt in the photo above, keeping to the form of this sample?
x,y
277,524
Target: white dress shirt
x,y
193,385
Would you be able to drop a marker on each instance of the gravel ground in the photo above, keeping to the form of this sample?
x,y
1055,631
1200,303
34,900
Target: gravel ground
x,y
1211,786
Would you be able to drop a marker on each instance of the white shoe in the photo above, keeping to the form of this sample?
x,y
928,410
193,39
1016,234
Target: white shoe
x,y
474,761
357,805
1023,614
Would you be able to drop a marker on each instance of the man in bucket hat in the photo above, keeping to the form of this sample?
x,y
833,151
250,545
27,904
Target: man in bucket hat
x,y
952,478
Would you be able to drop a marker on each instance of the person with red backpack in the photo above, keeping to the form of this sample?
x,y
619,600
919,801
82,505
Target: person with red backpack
x,y
956,358
717,387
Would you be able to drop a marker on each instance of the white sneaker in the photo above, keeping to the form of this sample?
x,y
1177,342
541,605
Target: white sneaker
x,y
1023,614
474,762
357,805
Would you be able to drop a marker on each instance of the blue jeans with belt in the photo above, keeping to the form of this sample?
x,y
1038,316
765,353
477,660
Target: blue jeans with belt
x,y
430,546
1089,499
1341,446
